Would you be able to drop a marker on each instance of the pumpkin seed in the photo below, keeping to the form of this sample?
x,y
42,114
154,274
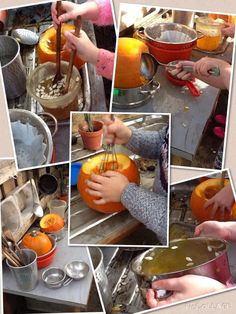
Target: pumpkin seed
x,y
189,264
188,259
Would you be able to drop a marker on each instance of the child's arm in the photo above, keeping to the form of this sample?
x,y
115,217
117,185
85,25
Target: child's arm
x,y
148,207
224,230
104,16
148,144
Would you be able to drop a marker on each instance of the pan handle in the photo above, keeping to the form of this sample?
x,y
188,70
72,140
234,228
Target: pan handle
x,y
139,34
47,114
155,86
193,89
67,282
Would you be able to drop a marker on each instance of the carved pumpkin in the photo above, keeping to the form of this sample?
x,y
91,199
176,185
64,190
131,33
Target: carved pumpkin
x,y
51,223
47,46
128,63
202,193
126,166
37,241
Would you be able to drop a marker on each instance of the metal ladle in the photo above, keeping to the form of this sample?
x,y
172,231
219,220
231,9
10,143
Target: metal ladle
x,y
149,66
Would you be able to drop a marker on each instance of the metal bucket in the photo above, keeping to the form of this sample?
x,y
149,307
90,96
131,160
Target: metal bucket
x,y
25,116
26,276
101,277
13,70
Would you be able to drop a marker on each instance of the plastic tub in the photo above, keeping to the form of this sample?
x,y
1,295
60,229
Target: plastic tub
x,y
61,106
75,169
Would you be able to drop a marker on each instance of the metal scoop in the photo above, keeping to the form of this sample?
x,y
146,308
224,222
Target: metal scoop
x,y
75,270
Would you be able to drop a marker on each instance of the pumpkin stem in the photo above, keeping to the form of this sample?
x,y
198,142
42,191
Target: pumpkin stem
x,y
34,233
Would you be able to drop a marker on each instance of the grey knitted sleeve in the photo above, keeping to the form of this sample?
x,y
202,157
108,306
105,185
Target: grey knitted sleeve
x,y
148,207
147,144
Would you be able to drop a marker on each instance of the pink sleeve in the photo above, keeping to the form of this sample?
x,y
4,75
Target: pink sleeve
x,y
105,63
105,16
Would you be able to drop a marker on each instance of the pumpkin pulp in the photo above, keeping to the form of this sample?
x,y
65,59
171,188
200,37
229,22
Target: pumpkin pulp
x,y
51,223
201,194
125,166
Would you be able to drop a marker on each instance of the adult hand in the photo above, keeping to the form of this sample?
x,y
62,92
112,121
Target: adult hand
x,y
179,72
85,48
108,187
185,287
115,131
223,201
88,10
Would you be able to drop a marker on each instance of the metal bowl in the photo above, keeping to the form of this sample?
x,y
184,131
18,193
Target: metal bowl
x,y
53,277
77,269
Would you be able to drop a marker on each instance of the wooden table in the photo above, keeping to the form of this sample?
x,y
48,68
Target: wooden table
x,y
75,294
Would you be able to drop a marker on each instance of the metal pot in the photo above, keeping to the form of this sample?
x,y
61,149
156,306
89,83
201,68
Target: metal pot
x,y
216,268
135,97
101,277
13,70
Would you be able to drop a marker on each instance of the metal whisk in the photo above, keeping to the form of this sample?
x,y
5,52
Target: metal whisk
x,y
109,161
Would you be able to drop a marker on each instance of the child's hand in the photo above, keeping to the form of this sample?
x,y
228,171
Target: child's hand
x,y
108,187
213,229
115,131
228,30
85,48
223,200
183,288
88,10
180,73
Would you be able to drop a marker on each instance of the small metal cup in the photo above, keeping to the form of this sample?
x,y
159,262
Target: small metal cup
x,y
26,276
13,70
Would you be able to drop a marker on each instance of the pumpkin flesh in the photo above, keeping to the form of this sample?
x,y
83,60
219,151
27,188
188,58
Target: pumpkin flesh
x,y
51,223
201,194
125,166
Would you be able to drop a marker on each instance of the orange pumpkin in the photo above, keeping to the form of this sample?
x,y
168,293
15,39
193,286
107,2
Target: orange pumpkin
x,y
51,223
37,241
47,46
202,193
128,63
126,166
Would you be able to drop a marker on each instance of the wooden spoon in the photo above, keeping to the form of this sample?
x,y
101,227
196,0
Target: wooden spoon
x,y
58,75
72,56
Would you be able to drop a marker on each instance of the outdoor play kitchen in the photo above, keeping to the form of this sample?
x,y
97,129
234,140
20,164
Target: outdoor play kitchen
x,y
108,223
150,47
125,274
39,269
44,82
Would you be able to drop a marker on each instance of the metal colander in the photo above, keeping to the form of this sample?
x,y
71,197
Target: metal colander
x,y
25,116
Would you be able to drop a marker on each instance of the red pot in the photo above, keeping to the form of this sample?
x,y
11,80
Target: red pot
x,y
45,261
166,55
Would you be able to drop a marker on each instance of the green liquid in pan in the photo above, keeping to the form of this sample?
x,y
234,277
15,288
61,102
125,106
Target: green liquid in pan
x,y
181,255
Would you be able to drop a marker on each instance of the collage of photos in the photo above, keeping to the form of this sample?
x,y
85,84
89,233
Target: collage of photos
x,y
101,112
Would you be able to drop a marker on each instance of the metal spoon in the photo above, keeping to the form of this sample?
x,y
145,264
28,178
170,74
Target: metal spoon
x,y
75,270
149,66
37,209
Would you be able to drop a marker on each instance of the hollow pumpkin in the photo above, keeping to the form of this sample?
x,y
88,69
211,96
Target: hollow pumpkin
x,y
51,223
128,63
126,166
47,46
37,241
201,194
